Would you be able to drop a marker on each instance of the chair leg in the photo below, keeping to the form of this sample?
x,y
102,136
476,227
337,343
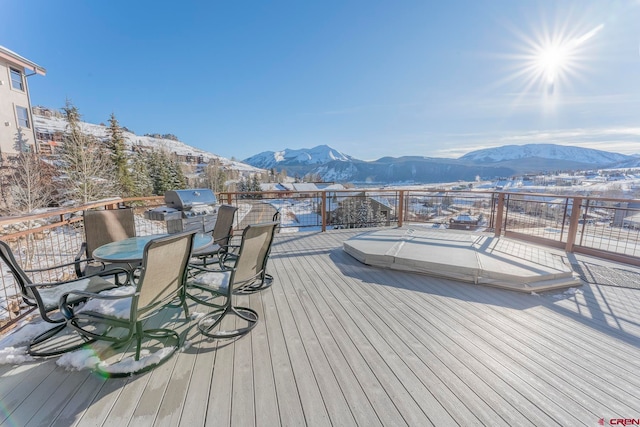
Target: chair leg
x,y
265,282
171,345
205,326
38,345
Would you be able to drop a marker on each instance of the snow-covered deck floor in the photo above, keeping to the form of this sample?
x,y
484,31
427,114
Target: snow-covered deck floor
x,y
469,257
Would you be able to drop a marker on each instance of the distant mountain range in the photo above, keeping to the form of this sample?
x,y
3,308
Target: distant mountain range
x,y
332,165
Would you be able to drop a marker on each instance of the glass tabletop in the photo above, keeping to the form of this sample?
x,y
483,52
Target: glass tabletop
x,y
131,250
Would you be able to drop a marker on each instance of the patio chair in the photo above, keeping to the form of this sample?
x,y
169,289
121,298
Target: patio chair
x,y
222,233
159,284
216,288
45,297
102,227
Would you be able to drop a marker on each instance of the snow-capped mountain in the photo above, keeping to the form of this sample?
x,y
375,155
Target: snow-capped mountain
x,y
544,151
283,159
488,163
55,124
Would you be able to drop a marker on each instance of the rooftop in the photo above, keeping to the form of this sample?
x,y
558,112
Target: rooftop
x,y
343,343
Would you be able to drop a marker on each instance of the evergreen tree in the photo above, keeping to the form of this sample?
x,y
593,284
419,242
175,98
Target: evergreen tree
x,y
364,213
87,167
119,158
255,183
178,179
140,176
242,187
165,173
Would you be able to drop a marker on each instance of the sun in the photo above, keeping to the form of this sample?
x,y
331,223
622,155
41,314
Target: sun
x,y
551,59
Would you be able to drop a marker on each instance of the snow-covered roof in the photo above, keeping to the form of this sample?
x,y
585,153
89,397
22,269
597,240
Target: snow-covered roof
x,y
305,186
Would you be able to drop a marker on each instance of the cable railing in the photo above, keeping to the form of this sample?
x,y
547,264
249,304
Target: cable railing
x,y
603,227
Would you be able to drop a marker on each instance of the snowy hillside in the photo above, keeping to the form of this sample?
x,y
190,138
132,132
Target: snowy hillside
x,y
53,124
544,151
313,156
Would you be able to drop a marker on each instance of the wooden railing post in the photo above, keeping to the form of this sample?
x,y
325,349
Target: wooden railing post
x,y
576,206
323,212
498,219
401,208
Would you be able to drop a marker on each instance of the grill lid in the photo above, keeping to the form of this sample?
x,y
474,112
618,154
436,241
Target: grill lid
x,y
187,199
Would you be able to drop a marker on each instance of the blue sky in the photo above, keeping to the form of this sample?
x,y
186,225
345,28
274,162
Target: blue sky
x,y
369,78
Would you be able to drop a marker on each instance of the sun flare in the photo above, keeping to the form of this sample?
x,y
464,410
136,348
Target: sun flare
x,y
552,59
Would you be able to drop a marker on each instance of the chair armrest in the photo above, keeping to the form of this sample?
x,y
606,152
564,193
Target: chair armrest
x,y
109,272
67,309
39,270
78,258
208,270
222,239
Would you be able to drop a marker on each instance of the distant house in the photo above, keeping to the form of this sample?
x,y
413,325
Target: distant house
x,y
17,132
627,214
379,209
275,187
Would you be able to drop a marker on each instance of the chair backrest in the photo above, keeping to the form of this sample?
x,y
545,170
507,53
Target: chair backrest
x,y
253,253
224,224
20,277
106,226
164,271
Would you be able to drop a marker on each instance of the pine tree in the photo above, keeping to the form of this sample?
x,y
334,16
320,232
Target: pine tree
x,y
87,167
254,186
364,213
166,174
119,157
178,179
140,176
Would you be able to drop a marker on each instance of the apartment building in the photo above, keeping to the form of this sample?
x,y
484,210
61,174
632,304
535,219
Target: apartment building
x,y
16,121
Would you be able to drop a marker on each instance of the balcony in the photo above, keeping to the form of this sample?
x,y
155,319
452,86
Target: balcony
x,y
343,343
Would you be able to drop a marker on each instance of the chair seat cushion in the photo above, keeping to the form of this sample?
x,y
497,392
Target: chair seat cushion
x,y
51,295
218,280
118,308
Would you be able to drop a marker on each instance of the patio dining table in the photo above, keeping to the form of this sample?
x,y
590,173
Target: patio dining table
x,y
130,251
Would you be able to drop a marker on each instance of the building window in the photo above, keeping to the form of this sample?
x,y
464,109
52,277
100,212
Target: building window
x,y
23,117
16,79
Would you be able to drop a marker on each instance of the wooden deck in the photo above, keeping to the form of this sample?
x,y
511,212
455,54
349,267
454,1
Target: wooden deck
x,y
341,343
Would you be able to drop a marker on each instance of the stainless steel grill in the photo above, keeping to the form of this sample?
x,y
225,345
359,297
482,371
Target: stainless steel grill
x,y
186,210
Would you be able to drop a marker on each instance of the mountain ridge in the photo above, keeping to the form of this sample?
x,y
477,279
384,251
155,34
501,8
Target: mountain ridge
x,y
486,163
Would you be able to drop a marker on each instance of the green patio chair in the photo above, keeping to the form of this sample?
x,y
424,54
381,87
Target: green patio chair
x,y
159,284
222,233
102,227
45,297
216,288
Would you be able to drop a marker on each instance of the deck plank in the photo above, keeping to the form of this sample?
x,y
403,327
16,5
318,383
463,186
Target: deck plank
x,y
266,399
386,366
202,352
289,403
387,321
315,411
